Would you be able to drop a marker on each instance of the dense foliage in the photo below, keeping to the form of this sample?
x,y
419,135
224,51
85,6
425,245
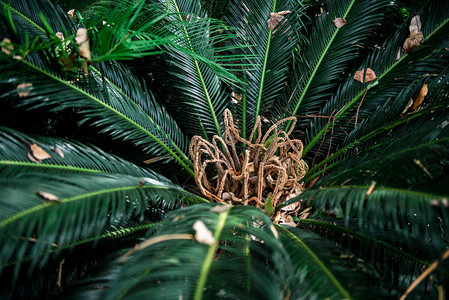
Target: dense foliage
x,y
125,122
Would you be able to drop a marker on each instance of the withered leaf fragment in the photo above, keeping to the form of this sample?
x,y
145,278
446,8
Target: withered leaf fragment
x,y
7,47
71,13
369,76
414,39
58,151
202,234
339,22
60,35
415,24
23,89
84,49
83,42
276,18
48,196
420,98
38,152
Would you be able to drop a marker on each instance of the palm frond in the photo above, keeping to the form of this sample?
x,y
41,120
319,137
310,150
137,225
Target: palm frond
x,y
101,101
375,249
69,264
358,101
198,66
389,122
270,50
45,212
326,56
193,268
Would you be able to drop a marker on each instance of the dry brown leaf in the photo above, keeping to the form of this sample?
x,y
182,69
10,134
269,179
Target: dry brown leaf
x,y
31,157
370,189
58,151
38,152
236,98
409,104
339,22
414,39
398,56
71,13
48,196
7,47
60,35
369,76
84,48
23,89
276,18
83,42
415,24
420,98
202,234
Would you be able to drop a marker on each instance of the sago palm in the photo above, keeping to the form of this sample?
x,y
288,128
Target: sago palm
x,y
281,150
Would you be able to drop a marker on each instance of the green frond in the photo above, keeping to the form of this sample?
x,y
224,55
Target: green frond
x,y
16,157
394,76
175,263
68,265
198,67
266,76
374,248
102,102
419,214
389,122
328,52
43,212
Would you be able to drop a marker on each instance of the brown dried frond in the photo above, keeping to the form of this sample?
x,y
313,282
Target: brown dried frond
x,y
270,166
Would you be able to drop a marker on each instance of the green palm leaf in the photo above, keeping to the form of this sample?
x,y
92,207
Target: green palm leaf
x,y
43,208
328,52
199,65
394,77
270,50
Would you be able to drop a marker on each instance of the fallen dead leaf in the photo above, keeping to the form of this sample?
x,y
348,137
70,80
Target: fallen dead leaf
x,y
415,24
202,234
38,152
7,47
23,89
276,18
82,41
58,151
420,98
398,56
60,35
48,196
420,164
339,22
71,13
31,157
370,189
409,104
414,39
236,98
369,76
84,48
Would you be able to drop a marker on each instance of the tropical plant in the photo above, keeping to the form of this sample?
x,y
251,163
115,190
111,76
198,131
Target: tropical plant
x,y
281,150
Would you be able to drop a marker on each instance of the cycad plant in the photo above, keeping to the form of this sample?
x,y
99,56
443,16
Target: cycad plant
x,y
280,150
